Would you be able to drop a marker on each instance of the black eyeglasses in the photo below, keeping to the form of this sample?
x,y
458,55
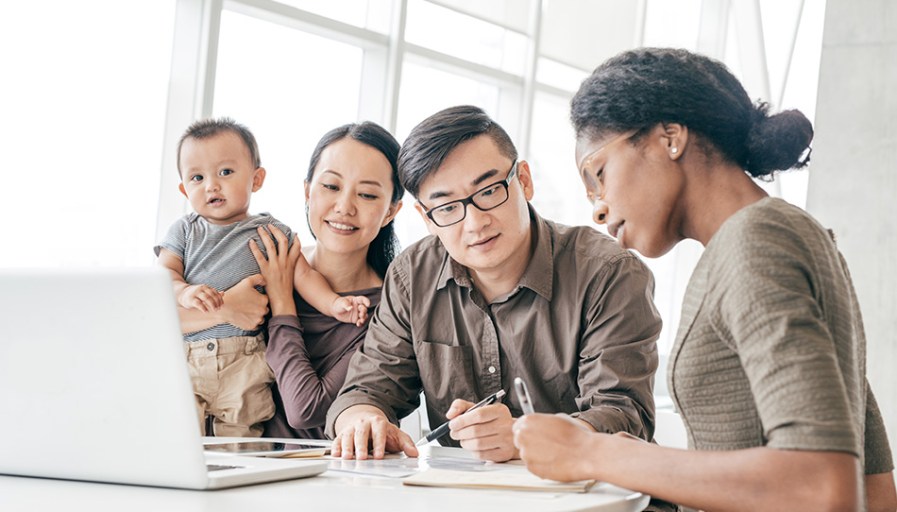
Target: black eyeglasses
x,y
484,199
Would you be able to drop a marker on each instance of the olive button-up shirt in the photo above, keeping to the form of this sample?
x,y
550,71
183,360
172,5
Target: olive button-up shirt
x,y
580,328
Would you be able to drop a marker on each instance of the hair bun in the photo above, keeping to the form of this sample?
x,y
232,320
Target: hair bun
x,y
778,142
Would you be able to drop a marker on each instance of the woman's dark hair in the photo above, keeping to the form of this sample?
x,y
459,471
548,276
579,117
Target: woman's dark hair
x,y
385,245
639,88
430,142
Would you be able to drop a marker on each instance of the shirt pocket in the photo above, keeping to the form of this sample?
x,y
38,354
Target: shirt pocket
x,y
447,373
565,389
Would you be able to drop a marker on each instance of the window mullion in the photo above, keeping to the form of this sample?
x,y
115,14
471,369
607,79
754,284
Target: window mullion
x,y
190,93
529,78
394,61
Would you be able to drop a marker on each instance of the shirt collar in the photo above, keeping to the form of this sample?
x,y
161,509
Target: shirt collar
x,y
539,273
452,270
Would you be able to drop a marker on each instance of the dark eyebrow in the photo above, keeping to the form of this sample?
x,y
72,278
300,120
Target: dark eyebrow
x,y
485,176
363,182
480,179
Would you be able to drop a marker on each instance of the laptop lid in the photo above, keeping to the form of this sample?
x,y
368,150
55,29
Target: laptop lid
x,y
95,382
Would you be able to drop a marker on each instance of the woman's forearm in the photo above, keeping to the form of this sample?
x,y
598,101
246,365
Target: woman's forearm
x,y
881,494
750,479
306,395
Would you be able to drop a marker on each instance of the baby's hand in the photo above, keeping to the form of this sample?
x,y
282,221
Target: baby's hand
x,y
351,309
201,297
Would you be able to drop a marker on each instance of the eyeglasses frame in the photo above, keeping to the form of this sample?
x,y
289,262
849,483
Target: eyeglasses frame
x,y
505,183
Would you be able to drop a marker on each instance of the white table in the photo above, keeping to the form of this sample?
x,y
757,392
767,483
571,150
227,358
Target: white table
x,y
332,491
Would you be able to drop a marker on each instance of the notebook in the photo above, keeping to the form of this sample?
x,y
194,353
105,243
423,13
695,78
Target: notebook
x,y
515,479
95,385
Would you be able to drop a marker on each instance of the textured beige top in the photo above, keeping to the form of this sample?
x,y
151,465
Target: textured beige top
x,y
771,350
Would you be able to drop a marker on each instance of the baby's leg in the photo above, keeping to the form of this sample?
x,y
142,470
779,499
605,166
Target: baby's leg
x,y
244,399
203,369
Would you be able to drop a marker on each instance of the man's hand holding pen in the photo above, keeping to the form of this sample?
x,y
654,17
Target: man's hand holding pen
x,y
483,428
485,431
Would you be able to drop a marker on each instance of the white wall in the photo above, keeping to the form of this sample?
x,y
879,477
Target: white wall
x,y
853,183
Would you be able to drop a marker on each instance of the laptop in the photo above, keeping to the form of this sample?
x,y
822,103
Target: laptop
x,y
95,385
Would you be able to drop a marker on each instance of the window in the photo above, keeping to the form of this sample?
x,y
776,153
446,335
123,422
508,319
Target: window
x,y
464,36
559,193
371,14
83,109
268,79
85,100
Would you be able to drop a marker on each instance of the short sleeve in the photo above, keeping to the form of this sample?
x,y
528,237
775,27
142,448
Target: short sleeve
x,y
175,239
283,227
264,219
763,281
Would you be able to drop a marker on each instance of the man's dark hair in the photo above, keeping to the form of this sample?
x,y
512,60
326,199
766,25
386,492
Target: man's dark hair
x,y
430,142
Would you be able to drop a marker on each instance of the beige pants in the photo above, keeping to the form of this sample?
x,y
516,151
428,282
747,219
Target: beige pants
x,y
232,383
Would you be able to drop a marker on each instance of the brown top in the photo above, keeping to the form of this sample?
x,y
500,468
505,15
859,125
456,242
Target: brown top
x,y
580,328
770,350
309,355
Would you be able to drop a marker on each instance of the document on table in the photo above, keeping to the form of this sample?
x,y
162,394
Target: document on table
x,y
511,478
390,466
399,466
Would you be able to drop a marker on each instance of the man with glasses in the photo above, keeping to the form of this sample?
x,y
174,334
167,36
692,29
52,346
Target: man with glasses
x,y
497,293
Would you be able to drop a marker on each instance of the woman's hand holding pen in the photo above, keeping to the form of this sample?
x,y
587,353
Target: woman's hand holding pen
x,y
557,446
485,431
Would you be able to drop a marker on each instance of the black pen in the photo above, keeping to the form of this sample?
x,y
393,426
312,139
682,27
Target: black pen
x,y
443,429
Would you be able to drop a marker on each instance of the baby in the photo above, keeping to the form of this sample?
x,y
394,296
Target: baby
x,y
207,252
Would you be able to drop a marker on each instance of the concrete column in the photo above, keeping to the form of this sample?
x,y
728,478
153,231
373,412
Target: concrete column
x,y
853,175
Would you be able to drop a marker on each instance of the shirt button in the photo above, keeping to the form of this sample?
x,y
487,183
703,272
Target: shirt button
x,y
491,369
210,346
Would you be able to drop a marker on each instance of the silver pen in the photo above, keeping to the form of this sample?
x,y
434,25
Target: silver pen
x,y
523,396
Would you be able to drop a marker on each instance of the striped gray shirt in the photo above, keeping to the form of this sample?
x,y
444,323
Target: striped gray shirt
x,y
217,256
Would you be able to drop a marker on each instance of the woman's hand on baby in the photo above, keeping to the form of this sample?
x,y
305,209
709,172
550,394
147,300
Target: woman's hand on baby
x,y
277,264
244,306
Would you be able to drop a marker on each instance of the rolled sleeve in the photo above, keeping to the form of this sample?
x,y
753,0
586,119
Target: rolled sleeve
x,y
618,350
384,372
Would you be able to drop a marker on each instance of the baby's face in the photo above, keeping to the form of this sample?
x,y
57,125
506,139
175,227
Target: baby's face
x,y
218,177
